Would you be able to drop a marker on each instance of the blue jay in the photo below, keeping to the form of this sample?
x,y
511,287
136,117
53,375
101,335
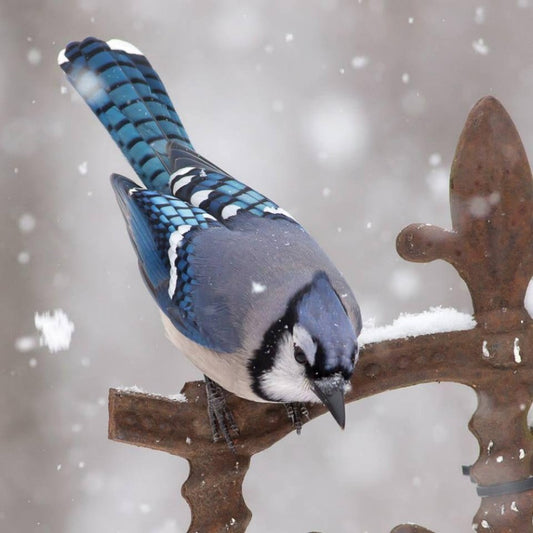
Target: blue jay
x,y
244,291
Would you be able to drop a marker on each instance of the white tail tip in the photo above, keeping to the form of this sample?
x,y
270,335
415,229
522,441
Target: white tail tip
x,y
62,58
117,44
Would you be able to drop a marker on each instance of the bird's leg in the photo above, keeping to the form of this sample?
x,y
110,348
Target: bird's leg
x,y
220,417
296,411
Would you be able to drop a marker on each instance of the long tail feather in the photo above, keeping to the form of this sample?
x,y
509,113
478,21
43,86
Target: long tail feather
x,y
126,94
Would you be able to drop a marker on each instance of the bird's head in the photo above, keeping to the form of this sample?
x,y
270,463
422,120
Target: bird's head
x,y
309,354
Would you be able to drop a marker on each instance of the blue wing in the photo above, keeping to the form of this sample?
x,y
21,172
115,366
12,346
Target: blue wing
x,y
126,94
162,229
202,184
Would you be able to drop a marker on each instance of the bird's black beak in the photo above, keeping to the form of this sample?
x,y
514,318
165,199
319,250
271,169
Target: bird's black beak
x,y
330,391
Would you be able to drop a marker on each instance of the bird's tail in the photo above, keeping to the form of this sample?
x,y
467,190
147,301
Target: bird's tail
x,y
126,94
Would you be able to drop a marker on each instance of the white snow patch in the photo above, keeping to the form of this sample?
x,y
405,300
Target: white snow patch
x,y
435,320
480,47
56,330
516,351
258,288
485,524
521,453
132,388
410,20
178,397
499,459
485,350
514,507
528,300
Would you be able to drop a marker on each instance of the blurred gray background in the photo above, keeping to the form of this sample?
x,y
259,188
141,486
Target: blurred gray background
x,y
346,113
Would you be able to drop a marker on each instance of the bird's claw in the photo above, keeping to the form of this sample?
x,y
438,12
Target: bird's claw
x,y
296,412
221,419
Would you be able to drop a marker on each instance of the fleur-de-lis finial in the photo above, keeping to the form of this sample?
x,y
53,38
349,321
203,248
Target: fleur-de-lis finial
x,y
491,202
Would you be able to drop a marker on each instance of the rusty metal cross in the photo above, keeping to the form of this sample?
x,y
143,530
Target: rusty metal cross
x,y
491,247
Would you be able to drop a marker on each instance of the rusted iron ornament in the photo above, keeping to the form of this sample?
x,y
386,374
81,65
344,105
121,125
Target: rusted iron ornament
x,y
490,246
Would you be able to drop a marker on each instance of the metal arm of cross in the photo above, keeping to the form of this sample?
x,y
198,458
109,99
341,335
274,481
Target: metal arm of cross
x,y
491,247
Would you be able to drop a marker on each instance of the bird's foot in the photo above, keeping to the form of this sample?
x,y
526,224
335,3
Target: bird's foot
x,y
221,419
297,412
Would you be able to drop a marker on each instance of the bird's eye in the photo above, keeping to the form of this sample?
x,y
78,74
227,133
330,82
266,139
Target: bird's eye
x,y
299,355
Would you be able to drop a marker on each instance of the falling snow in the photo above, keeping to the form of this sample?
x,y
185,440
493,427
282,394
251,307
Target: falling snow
x,y
82,168
23,258
26,344
359,62
435,159
56,330
34,56
26,223
479,16
480,47
342,112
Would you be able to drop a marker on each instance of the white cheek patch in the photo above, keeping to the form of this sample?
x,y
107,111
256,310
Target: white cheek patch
x,y
286,380
174,243
303,339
